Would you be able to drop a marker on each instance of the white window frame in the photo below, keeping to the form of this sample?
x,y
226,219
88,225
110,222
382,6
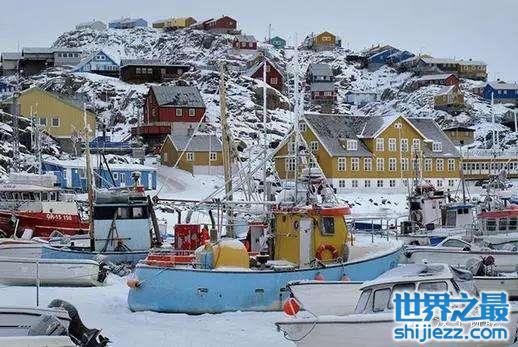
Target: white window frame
x,y
416,144
367,183
367,164
428,164
341,164
52,122
290,164
392,183
379,183
192,112
341,183
451,165
437,146
355,164
352,145
213,156
404,164
380,163
189,156
354,183
392,164
392,145
380,144
439,165
273,80
403,145
179,112
313,146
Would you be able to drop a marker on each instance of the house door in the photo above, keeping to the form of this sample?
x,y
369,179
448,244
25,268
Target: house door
x,y
149,181
305,238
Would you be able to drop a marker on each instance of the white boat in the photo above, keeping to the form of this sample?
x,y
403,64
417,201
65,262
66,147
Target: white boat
x,y
22,250
457,252
507,284
326,297
37,341
51,272
373,323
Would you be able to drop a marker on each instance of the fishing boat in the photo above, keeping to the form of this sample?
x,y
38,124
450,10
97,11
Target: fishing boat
x,y
457,252
51,272
372,322
33,203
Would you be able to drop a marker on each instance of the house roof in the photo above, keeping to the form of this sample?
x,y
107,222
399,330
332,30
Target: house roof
x,y
458,128
11,56
446,90
198,143
275,38
81,163
333,130
246,38
359,92
90,56
125,62
431,131
66,49
67,100
259,65
503,85
320,70
127,20
185,96
36,50
430,60
90,23
434,77
323,87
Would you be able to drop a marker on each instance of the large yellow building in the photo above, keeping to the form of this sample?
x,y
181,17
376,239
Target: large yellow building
x,y
358,152
201,154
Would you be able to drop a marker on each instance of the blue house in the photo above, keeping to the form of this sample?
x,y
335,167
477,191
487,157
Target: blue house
x,y
387,55
6,89
278,42
382,57
501,92
105,144
71,174
99,62
127,23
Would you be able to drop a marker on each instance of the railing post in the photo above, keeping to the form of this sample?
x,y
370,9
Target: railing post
x,y
37,282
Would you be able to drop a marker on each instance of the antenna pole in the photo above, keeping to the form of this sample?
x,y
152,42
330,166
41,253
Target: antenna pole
x,y
89,182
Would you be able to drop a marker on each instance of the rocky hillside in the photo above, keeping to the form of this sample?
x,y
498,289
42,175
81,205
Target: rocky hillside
x,y
119,105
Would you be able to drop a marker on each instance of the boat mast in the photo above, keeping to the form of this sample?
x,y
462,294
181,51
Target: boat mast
x,y
89,181
296,133
265,138
227,159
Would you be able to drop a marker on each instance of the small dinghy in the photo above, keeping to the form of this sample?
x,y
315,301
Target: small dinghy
x,y
51,272
56,326
372,322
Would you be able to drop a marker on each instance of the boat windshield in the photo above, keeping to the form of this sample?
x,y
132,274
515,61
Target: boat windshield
x,y
362,301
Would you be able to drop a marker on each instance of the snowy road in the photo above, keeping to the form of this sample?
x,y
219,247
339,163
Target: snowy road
x,y
106,308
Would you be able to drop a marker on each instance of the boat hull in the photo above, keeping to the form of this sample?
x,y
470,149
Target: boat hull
x,y
504,261
199,291
130,257
42,224
51,272
498,284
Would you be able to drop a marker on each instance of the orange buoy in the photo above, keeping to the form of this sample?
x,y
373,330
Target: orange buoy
x,y
345,278
133,283
319,277
291,307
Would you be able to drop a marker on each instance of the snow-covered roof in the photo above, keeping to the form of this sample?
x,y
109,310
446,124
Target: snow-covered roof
x,y
446,90
430,60
412,273
185,96
435,77
259,65
81,163
36,50
503,85
90,56
322,86
148,62
359,92
11,55
320,70
431,131
373,126
66,49
198,143
246,38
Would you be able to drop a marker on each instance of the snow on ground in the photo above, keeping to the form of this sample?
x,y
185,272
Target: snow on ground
x,y
106,308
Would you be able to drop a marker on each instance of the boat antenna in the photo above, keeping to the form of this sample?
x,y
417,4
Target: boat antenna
x,y
89,182
225,139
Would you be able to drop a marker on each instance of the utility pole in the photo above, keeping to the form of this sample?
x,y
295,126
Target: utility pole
x,y
16,129
227,159
265,132
89,181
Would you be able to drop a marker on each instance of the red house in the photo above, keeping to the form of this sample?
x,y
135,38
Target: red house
x,y
245,42
223,25
274,77
170,109
323,92
438,79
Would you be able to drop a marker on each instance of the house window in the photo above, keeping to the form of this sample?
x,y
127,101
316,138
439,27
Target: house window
x,y
121,177
355,164
380,164
352,145
404,164
379,183
354,183
149,71
302,127
243,44
138,71
273,80
291,147
178,112
311,162
451,164
327,94
439,164
115,176
392,164
341,183
451,183
290,164
416,164
313,146
190,156
392,183
55,122
439,183
367,183
416,144
43,121
213,156
367,164
380,144
404,145
192,112
267,68
428,164
340,164
392,145
437,146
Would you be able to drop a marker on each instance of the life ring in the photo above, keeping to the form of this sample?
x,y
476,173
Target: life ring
x,y
326,247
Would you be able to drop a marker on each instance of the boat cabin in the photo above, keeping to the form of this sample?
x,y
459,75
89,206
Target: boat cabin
x,y
457,215
122,221
306,235
499,221
376,296
425,206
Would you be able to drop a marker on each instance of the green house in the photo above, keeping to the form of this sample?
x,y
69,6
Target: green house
x,y
278,42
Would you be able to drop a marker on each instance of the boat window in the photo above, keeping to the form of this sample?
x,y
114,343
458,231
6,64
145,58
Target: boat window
x,y
31,196
2,195
502,224
44,196
362,301
513,222
16,196
380,300
439,286
123,213
52,196
328,226
37,196
455,243
490,225
402,287
25,196
9,196
137,212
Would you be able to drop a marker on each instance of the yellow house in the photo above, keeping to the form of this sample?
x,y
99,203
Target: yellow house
x,y
359,152
449,98
323,41
201,155
182,22
460,135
